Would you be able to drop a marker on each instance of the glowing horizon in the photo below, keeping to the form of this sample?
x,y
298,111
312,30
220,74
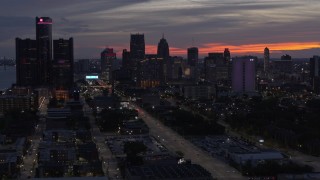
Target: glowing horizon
x,y
241,49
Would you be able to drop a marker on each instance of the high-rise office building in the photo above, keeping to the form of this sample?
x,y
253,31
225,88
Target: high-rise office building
x,y
215,68
266,59
137,54
137,46
26,62
286,57
163,53
44,48
284,65
315,73
126,72
151,72
125,59
178,68
193,55
163,49
82,66
227,58
107,59
216,58
227,55
192,61
62,66
243,74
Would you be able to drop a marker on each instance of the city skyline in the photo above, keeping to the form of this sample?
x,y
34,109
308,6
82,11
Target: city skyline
x,y
245,27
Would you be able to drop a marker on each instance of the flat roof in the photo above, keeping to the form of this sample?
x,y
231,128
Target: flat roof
x,y
73,178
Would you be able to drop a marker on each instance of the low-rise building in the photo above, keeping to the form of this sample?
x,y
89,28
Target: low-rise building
x,y
241,156
168,171
196,92
16,102
8,163
132,127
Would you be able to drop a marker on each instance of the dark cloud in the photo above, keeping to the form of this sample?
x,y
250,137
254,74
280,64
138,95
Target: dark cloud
x,y
95,23
17,22
12,27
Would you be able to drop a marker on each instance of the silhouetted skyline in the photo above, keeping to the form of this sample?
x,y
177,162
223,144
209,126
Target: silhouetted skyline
x,y
245,27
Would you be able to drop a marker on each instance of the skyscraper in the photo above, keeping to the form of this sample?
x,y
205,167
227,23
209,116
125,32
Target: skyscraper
x,y
215,68
62,66
193,55
107,59
163,53
286,57
26,62
227,59
266,59
137,46
243,74
125,59
163,49
151,71
44,48
137,54
284,65
227,55
315,73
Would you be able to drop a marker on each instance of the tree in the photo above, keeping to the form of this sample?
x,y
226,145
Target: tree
x,y
180,153
133,149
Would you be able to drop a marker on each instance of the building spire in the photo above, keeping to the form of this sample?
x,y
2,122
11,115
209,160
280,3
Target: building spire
x,y
162,35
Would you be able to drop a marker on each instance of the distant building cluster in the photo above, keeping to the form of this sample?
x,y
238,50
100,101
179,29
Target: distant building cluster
x,y
50,63
140,70
44,62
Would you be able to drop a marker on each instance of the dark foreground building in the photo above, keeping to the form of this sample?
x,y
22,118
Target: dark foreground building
x,y
26,62
63,63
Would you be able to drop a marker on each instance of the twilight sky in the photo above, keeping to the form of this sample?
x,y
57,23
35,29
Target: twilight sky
x,y
243,26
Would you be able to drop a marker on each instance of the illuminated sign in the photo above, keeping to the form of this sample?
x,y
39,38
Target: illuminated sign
x,y
44,21
92,77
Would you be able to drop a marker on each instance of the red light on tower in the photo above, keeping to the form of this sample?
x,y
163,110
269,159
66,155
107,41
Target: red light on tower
x,y
41,20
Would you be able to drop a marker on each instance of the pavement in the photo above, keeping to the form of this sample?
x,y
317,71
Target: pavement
x,y
30,160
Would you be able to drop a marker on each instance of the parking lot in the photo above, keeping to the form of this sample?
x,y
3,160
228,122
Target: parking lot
x,y
116,144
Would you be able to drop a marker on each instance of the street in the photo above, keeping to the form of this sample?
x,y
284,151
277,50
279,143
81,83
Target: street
x,y
109,162
30,160
176,142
